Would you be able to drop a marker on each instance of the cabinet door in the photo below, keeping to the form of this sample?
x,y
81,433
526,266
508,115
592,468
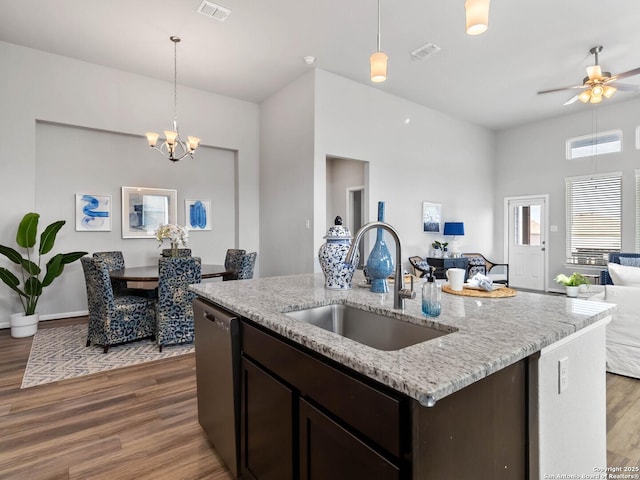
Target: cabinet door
x,y
267,425
329,452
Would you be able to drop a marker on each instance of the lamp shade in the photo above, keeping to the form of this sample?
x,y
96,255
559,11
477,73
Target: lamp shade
x,y
453,228
477,16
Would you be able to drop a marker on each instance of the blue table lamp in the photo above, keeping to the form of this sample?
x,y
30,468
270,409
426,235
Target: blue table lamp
x,y
454,228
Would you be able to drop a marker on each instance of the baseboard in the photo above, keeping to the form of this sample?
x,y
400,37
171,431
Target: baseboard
x,y
52,316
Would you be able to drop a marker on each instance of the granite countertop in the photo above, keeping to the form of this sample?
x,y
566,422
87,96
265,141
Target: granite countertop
x,y
487,334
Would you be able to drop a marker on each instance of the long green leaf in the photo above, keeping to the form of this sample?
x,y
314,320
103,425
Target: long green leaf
x,y
11,280
48,237
68,258
28,230
31,268
11,254
33,287
54,269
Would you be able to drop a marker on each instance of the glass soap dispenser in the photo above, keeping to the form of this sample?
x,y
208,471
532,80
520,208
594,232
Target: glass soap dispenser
x,y
431,296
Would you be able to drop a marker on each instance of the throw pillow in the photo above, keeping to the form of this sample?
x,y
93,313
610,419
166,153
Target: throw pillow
x,y
630,261
624,275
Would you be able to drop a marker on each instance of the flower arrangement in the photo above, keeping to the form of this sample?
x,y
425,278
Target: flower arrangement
x,y
574,280
176,234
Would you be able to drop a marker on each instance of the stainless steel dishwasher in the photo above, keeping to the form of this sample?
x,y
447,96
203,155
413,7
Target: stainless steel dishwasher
x,y
217,342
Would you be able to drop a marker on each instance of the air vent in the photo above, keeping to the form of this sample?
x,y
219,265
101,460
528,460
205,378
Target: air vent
x,y
213,10
425,51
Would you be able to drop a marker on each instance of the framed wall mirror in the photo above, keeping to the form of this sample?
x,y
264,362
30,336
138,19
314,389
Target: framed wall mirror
x,y
145,209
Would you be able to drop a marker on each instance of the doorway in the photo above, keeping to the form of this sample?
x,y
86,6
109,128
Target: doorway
x,y
347,195
526,220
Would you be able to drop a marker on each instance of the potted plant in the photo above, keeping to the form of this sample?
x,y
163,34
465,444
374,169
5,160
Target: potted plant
x,y
439,248
572,283
26,323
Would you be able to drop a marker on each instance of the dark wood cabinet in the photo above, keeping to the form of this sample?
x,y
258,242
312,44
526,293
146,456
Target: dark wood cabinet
x,y
304,418
266,426
443,264
330,451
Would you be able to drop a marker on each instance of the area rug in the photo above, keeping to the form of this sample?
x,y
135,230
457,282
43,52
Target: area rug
x,y
60,353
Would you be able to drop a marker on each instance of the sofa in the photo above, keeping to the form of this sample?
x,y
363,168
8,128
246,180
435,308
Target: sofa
x,y
628,259
623,333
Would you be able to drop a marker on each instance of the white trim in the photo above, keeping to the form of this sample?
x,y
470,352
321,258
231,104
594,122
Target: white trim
x,y
52,316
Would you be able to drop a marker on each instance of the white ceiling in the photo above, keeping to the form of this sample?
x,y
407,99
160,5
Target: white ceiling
x,y
491,79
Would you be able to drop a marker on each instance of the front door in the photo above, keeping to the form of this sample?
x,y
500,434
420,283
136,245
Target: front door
x,y
526,241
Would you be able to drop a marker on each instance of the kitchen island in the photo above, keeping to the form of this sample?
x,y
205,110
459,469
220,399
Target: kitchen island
x,y
490,344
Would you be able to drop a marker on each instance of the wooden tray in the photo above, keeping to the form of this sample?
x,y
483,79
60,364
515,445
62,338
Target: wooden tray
x,y
472,292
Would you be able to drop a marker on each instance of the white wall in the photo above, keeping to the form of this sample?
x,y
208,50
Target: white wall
x,y
40,86
415,154
286,179
530,160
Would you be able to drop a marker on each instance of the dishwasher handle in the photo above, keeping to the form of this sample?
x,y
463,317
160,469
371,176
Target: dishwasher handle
x,y
219,318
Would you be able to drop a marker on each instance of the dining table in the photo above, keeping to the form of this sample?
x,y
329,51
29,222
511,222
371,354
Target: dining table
x,y
149,273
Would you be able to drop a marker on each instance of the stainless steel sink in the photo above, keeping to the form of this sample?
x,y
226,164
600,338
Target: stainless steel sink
x,y
372,329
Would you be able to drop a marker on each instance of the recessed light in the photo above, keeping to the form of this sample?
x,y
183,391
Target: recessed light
x,y
309,60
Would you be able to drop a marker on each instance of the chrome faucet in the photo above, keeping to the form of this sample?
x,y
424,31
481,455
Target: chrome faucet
x,y
399,292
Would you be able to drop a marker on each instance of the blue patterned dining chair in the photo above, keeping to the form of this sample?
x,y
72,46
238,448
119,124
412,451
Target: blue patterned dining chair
x,y
182,252
232,263
115,261
114,319
246,265
174,307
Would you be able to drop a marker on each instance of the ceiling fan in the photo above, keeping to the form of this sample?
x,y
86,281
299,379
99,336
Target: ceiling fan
x,y
598,84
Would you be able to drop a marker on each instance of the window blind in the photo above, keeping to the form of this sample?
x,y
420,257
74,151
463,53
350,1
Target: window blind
x,y
594,218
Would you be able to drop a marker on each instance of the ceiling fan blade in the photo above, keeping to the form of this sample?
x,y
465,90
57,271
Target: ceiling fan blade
x,y
560,89
571,100
626,88
629,73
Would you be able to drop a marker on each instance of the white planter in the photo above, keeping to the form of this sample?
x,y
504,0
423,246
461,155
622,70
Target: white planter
x,y
23,325
572,291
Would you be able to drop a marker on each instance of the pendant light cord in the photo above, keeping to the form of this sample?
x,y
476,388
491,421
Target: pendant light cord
x,y
378,25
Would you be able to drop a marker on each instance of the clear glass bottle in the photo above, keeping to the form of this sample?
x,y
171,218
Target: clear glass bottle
x,y
431,296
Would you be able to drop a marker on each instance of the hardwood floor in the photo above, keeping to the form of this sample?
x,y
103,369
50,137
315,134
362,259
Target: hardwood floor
x,y
141,422
137,422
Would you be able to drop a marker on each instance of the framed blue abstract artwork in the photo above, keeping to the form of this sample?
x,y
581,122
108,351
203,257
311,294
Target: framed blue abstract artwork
x,y
197,214
93,212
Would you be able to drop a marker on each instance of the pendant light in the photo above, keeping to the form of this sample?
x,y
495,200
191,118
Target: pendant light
x,y
174,148
378,61
477,16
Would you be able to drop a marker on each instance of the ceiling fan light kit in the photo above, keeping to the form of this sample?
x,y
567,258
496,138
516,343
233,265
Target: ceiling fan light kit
x,y
598,84
477,16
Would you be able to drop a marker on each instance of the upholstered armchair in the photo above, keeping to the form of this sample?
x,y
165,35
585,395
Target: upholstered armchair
x,y
182,252
246,266
420,266
114,319
232,263
174,307
115,261
478,263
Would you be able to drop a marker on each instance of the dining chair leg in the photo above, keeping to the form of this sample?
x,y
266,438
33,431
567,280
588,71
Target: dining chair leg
x,y
106,349
88,343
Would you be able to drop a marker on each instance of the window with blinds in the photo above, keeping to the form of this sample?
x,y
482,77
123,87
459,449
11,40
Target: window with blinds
x,y
594,218
598,144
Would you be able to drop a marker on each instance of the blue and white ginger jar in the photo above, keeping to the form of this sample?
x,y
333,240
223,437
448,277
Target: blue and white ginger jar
x,y
332,254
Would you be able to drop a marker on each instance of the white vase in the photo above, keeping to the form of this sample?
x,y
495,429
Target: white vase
x,y
572,291
23,325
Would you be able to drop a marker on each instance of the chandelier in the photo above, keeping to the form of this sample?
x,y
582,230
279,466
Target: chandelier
x,y
174,148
